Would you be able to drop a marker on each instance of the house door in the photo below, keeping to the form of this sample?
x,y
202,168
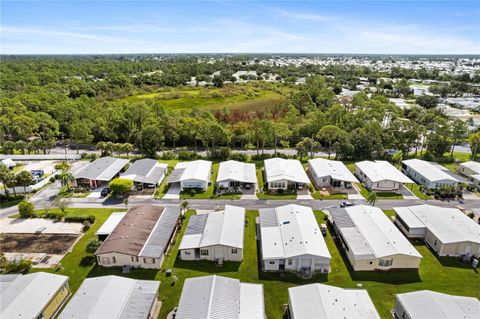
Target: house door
x,y
467,249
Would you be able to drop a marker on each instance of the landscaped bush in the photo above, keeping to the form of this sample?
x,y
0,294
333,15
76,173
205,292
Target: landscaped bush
x,y
241,157
18,266
220,153
57,215
261,157
88,260
26,209
79,218
169,155
187,155
92,245
120,186
86,226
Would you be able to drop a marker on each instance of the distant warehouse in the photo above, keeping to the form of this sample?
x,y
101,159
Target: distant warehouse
x,y
446,230
141,238
371,241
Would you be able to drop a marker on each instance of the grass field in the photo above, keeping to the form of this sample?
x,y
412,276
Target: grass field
x,y
415,189
318,195
438,274
380,195
245,97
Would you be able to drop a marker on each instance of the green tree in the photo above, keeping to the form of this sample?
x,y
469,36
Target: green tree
x,y
26,209
151,140
459,132
81,133
24,178
474,142
7,177
427,101
372,198
330,134
120,186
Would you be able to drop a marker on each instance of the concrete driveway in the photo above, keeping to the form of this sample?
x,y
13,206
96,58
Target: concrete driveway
x,y
172,193
30,226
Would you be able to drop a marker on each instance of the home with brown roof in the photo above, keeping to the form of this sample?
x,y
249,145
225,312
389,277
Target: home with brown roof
x,y
141,238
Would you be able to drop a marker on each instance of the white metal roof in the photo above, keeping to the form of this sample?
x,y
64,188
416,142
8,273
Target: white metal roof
x,y
26,296
428,170
426,304
146,170
474,166
216,228
112,297
196,170
449,225
217,297
109,225
277,169
378,232
237,171
102,169
335,169
318,301
289,231
382,170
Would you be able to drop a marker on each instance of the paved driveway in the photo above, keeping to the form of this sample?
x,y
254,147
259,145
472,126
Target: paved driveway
x,y
29,226
172,193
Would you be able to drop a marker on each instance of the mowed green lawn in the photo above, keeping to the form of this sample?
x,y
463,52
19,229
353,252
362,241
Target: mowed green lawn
x,y
214,99
445,275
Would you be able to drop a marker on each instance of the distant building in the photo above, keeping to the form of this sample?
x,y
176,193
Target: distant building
x,y
141,238
214,297
145,173
318,301
114,297
196,174
328,173
380,176
235,175
99,172
371,241
36,295
430,304
291,240
469,168
428,175
448,231
283,174
215,236
8,162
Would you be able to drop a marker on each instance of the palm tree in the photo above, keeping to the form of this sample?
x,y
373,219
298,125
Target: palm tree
x,y
7,178
372,198
66,178
24,178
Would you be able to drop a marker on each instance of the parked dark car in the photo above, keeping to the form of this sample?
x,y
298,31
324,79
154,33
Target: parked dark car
x,y
37,172
105,191
346,204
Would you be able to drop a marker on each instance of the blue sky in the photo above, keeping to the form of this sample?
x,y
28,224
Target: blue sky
x,y
403,27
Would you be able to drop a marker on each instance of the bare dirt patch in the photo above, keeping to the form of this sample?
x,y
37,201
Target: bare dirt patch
x,y
57,244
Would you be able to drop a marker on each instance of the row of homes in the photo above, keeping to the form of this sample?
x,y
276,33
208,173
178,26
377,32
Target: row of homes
x,y
279,174
44,296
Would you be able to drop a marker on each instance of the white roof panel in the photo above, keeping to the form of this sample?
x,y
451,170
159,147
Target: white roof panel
x,y
216,228
27,295
102,169
428,170
426,304
296,233
146,170
196,170
237,171
318,301
252,305
449,225
474,166
382,170
109,225
112,297
383,238
335,169
277,169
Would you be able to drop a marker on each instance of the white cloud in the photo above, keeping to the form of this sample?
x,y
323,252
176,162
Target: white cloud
x,y
304,16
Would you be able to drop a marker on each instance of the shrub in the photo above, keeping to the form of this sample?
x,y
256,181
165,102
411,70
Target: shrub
x,y
18,266
79,218
220,153
25,209
261,157
52,179
187,155
169,155
86,226
83,156
241,157
120,185
88,260
92,245
57,215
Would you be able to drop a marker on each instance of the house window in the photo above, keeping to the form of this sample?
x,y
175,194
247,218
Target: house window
x,y
371,262
132,259
153,260
234,251
435,243
144,260
187,253
114,260
385,262
271,262
204,252
106,261
289,262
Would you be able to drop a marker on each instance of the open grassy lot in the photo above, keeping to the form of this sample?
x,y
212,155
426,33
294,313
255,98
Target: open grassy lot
x,y
439,274
415,189
244,97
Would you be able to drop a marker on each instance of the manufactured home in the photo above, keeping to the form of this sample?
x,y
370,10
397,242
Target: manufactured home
x,y
196,174
233,175
380,176
328,173
99,172
284,174
428,175
145,173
